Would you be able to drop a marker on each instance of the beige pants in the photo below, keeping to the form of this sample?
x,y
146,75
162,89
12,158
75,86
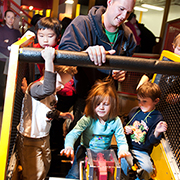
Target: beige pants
x,y
35,157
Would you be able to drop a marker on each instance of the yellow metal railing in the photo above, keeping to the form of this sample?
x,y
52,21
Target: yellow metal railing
x,y
169,55
9,103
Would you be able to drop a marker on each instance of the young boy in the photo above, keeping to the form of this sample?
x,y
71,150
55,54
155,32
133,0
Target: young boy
x,y
48,34
40,98
144,127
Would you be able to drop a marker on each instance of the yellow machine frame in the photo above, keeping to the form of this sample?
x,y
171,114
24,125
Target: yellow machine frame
x,y
159,155
9,103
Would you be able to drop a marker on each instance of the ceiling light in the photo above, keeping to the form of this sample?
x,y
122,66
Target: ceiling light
x,y
31,8
137,8
69,1
152,7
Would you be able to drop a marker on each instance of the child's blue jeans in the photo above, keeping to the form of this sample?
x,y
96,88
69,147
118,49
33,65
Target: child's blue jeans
x,y
144,161
79,156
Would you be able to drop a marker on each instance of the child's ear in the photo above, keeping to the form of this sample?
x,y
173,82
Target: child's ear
x,y
156,100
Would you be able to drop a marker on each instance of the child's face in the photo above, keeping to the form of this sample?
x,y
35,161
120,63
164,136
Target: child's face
x,y
46,37
103,108
146,104
61,80
177,50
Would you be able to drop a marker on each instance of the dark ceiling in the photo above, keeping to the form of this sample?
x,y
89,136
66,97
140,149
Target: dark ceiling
x,y
47,4
41,4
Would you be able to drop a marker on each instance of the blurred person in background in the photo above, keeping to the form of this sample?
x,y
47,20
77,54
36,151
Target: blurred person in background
x,y
131,23
9,35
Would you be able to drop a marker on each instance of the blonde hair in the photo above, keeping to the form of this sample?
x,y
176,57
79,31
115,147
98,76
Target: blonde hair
x,y
148,89
72,70
176,41
100,90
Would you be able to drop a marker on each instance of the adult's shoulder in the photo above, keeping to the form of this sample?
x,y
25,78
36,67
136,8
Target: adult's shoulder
x,y
79,24
127,30
95,10
80,19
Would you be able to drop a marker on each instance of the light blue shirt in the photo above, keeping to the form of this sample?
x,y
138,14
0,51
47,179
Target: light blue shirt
x,y
97,136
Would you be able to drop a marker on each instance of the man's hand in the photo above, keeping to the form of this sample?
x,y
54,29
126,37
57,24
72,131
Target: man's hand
x,y
160,127
97,54
68,152
119,75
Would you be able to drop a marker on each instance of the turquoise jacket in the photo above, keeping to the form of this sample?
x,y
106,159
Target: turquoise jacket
x,y
97,136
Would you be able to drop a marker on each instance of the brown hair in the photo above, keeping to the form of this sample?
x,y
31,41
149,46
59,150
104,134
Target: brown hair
x,y
9,10
176,41
100,90
72,70
49,23
150,90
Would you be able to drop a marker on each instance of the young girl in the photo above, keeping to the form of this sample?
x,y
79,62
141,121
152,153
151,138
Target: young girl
x,y
97,126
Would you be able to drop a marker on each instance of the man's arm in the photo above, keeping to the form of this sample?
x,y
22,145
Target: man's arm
x,y
78,37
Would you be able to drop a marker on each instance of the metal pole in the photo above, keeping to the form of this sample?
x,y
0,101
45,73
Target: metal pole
x,y
73,58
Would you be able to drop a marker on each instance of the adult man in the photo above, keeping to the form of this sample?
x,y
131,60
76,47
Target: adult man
x,y
99,33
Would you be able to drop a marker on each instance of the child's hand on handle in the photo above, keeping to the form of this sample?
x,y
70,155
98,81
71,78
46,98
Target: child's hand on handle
x,y
160,127
123,154
48,55
68,152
